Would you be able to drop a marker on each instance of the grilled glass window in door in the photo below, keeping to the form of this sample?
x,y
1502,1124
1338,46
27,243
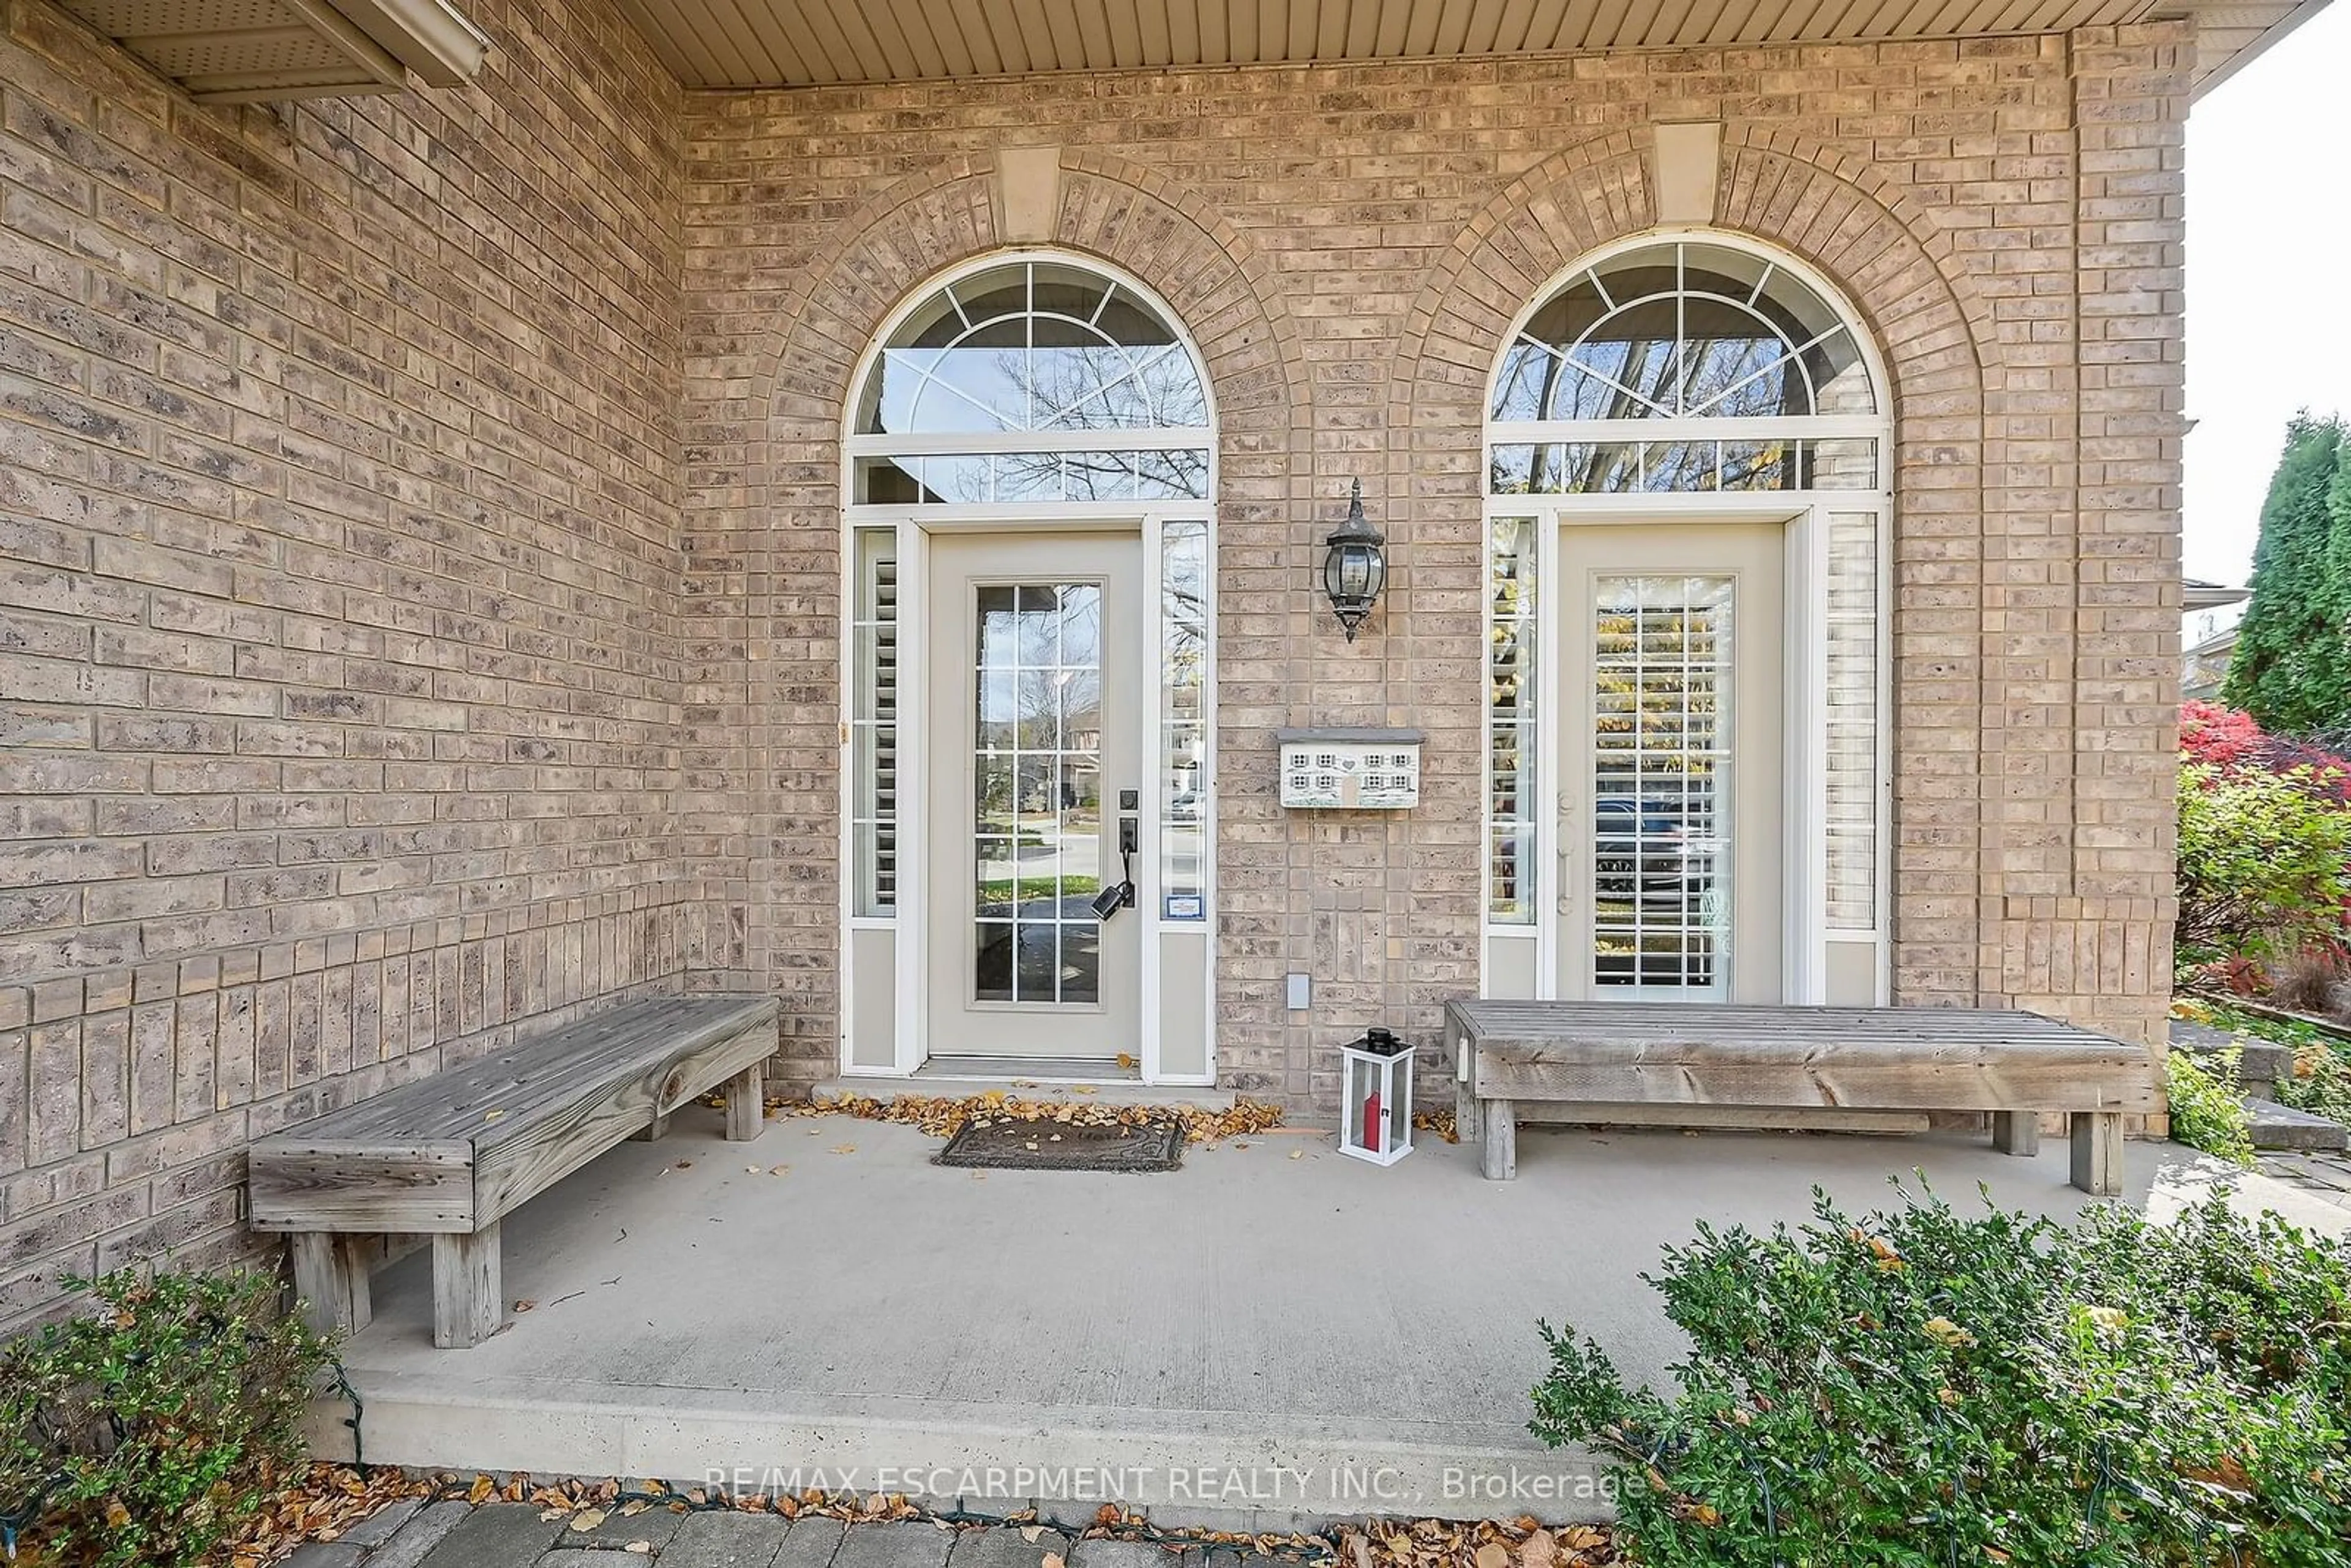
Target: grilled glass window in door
x,y
1661,811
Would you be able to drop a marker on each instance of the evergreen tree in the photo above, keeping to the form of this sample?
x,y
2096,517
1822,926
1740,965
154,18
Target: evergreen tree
x,y
2292,667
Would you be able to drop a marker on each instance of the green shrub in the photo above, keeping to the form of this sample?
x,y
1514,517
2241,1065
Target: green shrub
x,y
2265,866
150,1426
2319,1081
1920,1388
2206,1113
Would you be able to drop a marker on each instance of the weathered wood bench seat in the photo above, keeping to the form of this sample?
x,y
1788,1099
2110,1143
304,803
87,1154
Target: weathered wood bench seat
x,y
450,1154
1862,1069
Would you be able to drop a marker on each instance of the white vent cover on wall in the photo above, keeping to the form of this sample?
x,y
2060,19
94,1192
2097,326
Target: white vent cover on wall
x,y
1350,770
245,51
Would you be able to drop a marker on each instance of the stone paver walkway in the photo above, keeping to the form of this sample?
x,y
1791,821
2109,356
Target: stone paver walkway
x,y
2325,1176
457,1535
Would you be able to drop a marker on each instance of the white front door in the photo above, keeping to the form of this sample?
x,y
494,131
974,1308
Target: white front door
x,y
1035,735
1672,762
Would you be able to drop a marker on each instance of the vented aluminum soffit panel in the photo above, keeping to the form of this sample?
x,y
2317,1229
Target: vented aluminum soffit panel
x,y
237,51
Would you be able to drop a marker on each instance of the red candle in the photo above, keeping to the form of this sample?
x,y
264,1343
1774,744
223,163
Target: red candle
x,y
1372,1122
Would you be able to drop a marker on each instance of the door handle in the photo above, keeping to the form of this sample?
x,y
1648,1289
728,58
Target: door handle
x,y
1120,894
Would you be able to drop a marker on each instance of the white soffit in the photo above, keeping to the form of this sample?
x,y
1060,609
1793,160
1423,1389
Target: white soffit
x,y
239,51
813,42
2230,35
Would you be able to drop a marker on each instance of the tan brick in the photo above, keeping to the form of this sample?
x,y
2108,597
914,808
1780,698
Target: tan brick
x,y
412,694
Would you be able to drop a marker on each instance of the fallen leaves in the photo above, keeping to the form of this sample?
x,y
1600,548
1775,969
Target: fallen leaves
x,y
319,1502
1439,1121
944,1118
323,1501
1521,1542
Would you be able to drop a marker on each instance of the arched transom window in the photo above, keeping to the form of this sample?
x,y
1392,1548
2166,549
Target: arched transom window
x,y
1032,381
1684,366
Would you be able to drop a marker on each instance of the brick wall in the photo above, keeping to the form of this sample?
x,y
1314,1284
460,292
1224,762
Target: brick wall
x,y
339,576
419,540
1348,245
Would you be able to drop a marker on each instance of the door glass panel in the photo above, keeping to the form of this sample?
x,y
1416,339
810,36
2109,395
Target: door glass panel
x,y
1037,767
1853,768
1661,807
873,816
1183,720
1511,732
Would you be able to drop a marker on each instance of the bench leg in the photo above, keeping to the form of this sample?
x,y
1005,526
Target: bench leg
x,y
1497,1141
2098,1152
1463,1050
2016,1132
746,1101
330,1278
652,1132
468,1289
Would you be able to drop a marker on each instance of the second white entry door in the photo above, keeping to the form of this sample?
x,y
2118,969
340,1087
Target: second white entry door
x,y
1672,762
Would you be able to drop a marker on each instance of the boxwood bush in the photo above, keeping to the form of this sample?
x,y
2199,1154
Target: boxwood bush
x,y
1921,1387
145,1427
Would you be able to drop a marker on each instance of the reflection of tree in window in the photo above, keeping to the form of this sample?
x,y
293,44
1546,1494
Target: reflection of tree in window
x,y
1042,348
1678,331
1075,392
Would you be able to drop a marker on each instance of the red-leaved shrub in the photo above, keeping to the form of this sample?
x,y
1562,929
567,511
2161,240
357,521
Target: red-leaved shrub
x,y
2231,742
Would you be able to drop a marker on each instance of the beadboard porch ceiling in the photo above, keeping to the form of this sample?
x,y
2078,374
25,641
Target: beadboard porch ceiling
x,y
809,43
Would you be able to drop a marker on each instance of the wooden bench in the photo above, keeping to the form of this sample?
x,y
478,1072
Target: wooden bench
x,y
1856,1068
450,1154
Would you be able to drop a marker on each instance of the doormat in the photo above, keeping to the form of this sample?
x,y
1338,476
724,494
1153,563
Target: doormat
x,y
1042,1143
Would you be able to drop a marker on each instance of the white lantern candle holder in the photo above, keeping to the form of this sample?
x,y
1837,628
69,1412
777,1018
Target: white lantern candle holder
x,y
1375,1098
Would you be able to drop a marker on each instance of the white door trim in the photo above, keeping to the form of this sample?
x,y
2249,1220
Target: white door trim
x,y
1156,926
913,528
1805,622
914,524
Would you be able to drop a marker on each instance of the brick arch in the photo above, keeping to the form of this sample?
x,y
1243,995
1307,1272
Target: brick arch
x,y
1569,204
781,754
1888,254
1757,165
1211,277
1936,335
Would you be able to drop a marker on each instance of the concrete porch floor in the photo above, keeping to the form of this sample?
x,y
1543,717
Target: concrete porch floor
x,y
1274,1333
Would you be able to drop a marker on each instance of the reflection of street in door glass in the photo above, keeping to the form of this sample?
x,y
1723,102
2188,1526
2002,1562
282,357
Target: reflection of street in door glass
x,y
1037,771
1661,773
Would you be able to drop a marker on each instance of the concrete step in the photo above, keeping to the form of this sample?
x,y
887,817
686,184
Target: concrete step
x,y
2261,1064
2275,1126
1104,1090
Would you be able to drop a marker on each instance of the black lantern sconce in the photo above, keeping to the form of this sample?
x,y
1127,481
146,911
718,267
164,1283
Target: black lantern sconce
x,y
1356,568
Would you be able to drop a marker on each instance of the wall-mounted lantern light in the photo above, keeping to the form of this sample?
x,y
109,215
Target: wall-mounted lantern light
x,y
1356,568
